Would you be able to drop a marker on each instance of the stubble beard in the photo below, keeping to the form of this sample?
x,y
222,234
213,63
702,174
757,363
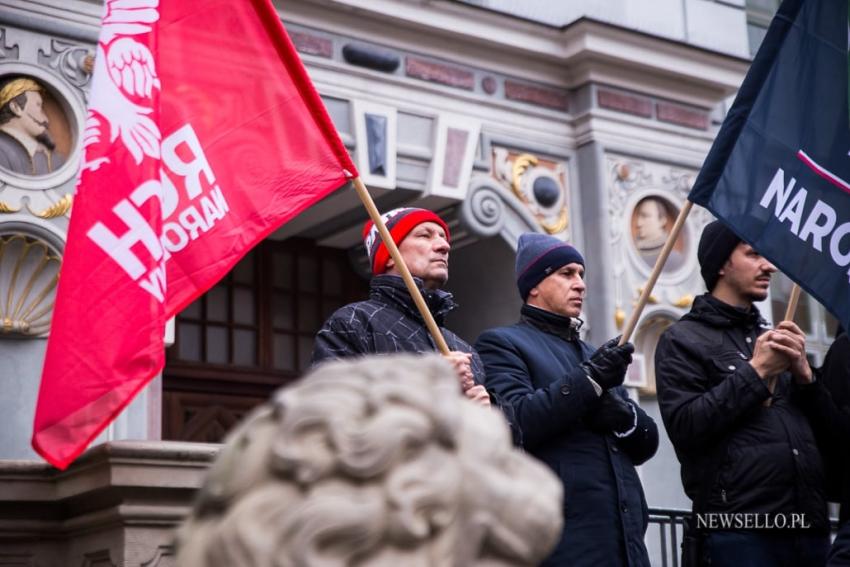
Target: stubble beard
x,y
758,294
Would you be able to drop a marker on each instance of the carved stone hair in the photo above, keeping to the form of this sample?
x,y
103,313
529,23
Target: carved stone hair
x,y
15,91
6,113
379,461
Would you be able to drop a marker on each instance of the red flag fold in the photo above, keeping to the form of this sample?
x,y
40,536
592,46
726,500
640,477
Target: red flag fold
x,y
193,153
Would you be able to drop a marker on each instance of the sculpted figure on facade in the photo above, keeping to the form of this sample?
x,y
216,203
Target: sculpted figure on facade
x,y
26,146
376,461
652,224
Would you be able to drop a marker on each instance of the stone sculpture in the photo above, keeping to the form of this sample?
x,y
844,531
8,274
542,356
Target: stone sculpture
x,y
378,461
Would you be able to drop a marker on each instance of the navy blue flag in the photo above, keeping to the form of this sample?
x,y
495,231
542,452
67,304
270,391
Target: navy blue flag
x,y
779,172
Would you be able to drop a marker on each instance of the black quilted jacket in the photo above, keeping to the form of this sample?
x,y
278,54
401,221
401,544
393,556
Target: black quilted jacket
x,y
389,322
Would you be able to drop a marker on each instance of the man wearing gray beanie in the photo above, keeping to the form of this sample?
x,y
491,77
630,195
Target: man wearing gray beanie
x,y
571,408
742,458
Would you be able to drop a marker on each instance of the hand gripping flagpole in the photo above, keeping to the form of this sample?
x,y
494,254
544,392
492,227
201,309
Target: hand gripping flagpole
x,y
793,300
366,198
656,271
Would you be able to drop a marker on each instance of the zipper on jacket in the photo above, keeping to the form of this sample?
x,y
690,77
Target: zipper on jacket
x,y
723,495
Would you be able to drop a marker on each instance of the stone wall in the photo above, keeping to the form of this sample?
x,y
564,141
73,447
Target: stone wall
x,y
116,505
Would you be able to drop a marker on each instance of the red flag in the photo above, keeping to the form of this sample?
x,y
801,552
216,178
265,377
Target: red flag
x,y
192,154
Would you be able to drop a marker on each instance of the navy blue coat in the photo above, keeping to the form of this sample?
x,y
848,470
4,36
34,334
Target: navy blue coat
x,y
534,367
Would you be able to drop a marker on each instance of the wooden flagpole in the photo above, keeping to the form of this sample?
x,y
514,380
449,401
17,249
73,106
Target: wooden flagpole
x,y
366,198
793,300
656,271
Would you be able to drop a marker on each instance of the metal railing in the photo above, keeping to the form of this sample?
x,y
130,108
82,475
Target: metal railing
x,y
664,535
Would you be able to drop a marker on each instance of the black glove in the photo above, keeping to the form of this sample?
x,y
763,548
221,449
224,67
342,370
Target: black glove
x,y
607,366
613,414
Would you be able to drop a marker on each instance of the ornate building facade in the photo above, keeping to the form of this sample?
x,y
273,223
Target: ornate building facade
x,y
579,121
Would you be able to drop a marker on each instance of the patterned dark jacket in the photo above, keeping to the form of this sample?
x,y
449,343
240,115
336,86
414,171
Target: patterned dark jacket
x,y
389,322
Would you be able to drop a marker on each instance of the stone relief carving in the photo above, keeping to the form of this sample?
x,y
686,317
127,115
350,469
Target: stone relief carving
x,y
484,208
644,200
378,462
36,198
8,51
540,184
490,208
74,62
651,223
29,129
29,272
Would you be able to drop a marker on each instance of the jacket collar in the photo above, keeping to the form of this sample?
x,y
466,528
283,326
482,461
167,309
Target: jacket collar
x,y
710,310
391,289
565,327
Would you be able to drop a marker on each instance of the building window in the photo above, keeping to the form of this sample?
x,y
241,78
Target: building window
x,y
250,334
221,327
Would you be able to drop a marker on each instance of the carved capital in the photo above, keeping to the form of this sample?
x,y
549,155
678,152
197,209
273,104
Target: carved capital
x,y
70,60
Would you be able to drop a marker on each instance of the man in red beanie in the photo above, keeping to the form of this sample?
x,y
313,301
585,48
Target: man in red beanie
x,y
389,321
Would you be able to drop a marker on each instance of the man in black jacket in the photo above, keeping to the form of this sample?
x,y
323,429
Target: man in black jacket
x,y
748,455
389,321
571,409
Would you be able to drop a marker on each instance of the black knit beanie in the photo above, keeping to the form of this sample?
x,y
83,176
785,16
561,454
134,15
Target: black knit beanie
x,y
715,246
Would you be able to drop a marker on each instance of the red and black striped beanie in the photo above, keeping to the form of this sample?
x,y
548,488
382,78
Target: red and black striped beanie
x,y
399,222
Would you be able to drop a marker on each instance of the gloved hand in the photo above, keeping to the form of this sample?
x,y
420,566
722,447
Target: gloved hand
x,y
607,366
614,414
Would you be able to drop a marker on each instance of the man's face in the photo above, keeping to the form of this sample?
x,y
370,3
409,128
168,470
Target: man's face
x,y
425,251
746,274
31,119
560,292
650,221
